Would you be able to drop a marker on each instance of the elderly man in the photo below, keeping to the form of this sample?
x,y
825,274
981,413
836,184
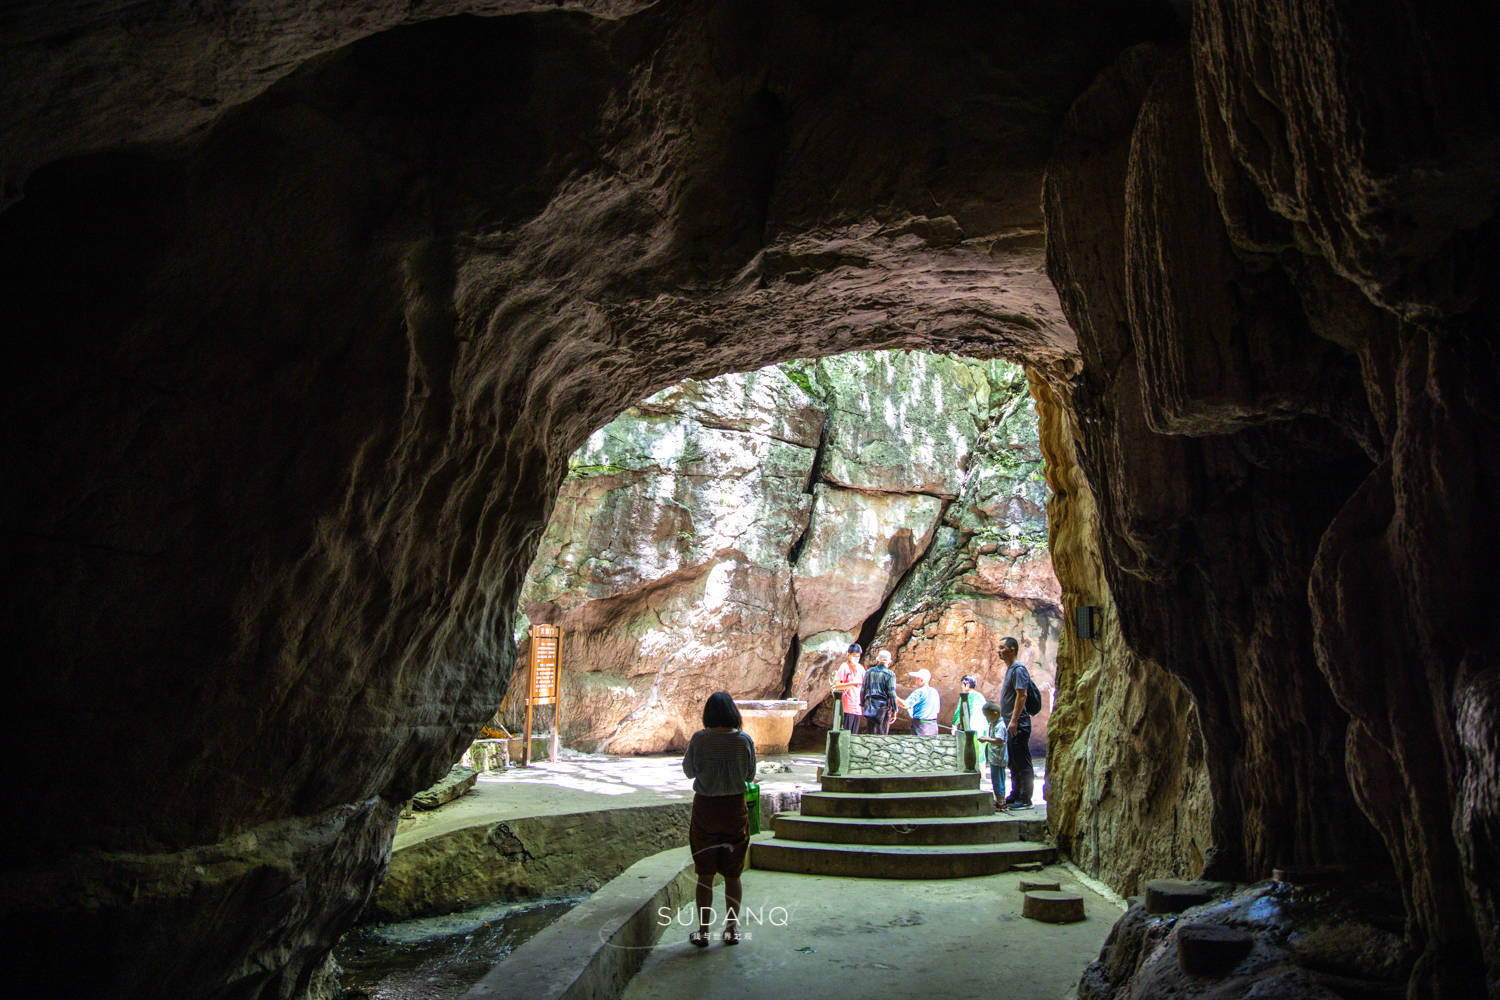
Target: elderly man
x,y
923,705
878,695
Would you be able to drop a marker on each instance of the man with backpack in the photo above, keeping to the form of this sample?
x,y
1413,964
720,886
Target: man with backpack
x,y
1019,699
878,694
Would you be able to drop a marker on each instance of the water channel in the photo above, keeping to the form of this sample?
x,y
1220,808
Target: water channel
x,y
438,958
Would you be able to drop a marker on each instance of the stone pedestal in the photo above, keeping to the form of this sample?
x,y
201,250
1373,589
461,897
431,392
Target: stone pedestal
x,y
1053,907
769,723
1169,895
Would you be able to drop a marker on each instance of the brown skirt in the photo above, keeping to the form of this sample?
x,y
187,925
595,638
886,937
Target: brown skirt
x,y
719,834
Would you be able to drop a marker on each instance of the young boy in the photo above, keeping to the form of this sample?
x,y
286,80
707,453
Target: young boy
x,y
994,750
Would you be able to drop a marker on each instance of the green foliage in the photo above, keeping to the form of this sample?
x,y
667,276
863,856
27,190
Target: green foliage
x,y
798,377
581,471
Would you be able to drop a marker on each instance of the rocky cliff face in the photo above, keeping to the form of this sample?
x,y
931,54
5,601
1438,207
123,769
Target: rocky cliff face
x,y
739,533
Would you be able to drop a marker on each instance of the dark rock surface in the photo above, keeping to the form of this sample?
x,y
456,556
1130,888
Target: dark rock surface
x,y
309,307
1211,949
1265,941
1127,788
1341,297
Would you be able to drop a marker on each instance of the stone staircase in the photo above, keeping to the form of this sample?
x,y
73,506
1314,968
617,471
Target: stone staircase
x,y
900,826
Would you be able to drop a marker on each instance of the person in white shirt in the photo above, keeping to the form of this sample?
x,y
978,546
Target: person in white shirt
x,y
923,705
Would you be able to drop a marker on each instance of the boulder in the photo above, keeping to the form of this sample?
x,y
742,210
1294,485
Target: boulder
x,y
858,547
457,781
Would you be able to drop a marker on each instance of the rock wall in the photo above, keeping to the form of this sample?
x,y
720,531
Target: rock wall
x,y
1256,368
739,533
988,574
1127,788
527,857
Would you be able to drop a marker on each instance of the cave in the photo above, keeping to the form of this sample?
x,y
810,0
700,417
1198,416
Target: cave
x,y
310,305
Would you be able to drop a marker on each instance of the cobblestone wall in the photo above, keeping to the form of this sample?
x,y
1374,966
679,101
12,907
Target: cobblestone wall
x,y
849,754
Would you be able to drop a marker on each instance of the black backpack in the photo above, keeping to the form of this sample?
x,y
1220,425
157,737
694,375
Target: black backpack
x,y
1033,695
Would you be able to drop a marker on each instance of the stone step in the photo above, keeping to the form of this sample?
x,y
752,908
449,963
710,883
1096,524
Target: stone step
x,y
893,861
896,830
880,784
894,804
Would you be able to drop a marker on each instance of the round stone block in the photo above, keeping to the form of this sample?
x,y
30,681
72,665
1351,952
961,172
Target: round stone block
x,y
1053,907
1036,884
1169,895
1210,949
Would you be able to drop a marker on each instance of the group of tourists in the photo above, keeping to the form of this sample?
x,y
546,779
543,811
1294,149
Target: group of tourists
x,y
869,704
720,759
869,700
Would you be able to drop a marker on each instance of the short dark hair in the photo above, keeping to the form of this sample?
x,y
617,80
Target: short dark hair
x,y
720,710
969,681
1010,643
855,647
990,706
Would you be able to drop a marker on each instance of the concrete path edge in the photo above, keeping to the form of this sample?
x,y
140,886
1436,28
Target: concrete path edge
x,y
595,948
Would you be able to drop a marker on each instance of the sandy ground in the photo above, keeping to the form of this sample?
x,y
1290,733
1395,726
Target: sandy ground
x,y
834,938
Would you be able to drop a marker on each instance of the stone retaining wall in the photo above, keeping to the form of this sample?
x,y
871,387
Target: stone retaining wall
x,y
535,856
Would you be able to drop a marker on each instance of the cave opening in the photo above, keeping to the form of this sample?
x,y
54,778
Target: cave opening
x,y
738,533
310,310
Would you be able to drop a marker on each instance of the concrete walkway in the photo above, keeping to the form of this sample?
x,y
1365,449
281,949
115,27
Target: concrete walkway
x,y
855,937
581,783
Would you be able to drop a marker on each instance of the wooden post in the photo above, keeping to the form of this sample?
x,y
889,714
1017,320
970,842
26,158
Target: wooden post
x,y
530,680
556,712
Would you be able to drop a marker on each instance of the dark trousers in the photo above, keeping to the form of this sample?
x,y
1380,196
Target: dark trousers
x,y
924,727
852,722
878,724
1021,774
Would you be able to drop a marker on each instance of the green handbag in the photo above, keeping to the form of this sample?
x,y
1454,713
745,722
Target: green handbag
x,y
752,805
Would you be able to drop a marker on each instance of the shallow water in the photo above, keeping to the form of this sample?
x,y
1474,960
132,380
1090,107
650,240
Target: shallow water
x,y
436,958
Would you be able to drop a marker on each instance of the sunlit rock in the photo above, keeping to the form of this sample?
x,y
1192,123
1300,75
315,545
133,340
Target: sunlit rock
x,y
698,543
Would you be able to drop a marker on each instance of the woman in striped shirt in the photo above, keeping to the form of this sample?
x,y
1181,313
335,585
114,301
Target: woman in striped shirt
x,y
720,759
